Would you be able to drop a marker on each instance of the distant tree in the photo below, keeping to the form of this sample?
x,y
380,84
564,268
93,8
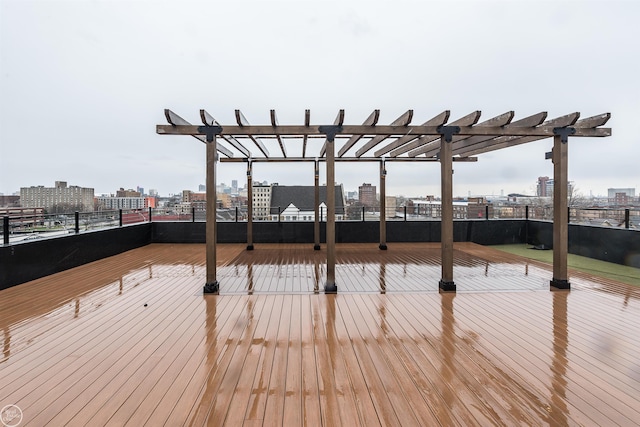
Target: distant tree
x,y
66,208
575,199
354,211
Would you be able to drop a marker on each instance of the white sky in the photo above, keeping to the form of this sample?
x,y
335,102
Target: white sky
x,y
83,84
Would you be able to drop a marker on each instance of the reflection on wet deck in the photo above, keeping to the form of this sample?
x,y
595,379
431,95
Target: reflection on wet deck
x,y
81,348
364,268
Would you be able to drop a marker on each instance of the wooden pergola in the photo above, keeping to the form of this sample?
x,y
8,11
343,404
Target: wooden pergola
x,y
435,140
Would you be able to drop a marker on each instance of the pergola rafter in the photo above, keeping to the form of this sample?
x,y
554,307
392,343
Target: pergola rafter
x,y
438,120
498,121
403,120
468,120
527,122
434,140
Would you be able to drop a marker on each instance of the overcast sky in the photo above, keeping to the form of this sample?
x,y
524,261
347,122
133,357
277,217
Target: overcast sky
x,y
84,83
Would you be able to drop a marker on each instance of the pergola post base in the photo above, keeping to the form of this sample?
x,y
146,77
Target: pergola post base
x,y
560,284
249,247
211,288
382,246
316,247
330,288
444,286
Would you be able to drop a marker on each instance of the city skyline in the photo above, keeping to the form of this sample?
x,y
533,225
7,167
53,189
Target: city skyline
x,y
86,98
533,191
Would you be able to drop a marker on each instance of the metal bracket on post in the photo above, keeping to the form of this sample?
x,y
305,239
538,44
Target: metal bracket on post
x,y
210,131
564,133
448,132
331,131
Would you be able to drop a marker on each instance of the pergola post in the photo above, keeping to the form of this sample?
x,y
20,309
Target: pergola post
x,y
560,212
211,286
330,286
249,205
383,207
316,206
446,226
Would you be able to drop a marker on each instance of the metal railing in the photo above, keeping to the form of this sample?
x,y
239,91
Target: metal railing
x,y
24,228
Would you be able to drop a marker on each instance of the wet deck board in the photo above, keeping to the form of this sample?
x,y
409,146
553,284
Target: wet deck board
x,y
80,347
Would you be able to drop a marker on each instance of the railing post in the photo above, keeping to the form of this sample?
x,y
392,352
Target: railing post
x,y
120,217
486,212
568,214
279,212
5,229
236,214
193,214
405,213
150,215
77,225
626,218
363,214
526,224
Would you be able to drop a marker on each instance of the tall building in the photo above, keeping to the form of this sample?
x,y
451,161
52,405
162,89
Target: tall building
x,y
544,187
9,201
127,193
261,199
61,198
367,194
621,196
391,203
115,203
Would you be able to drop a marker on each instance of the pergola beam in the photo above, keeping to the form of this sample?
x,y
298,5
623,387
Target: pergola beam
x,y
544,131
342,159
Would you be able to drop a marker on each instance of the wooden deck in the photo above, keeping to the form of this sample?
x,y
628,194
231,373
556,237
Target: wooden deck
x,y
131,340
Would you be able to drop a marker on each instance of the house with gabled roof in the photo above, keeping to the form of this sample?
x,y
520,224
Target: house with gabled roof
x,y
296,202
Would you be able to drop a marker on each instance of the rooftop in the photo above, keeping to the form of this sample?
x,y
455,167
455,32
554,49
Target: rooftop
x,y
131,339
